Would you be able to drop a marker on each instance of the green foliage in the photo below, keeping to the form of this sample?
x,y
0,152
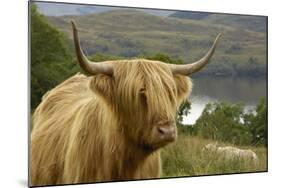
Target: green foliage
x,y
99,57
187,130
231,123
257,123
50,57
183,110
222,121
164,58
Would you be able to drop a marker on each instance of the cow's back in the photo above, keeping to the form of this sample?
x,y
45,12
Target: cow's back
x,y
52,124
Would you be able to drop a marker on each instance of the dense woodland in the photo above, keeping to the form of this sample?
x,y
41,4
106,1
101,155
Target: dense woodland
x,y
53,60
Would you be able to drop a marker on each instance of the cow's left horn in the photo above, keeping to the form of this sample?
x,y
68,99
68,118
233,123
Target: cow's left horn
x,y
188,69
87,65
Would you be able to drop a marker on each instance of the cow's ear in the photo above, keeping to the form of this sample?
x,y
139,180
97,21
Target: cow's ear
x,y
184,87
102,85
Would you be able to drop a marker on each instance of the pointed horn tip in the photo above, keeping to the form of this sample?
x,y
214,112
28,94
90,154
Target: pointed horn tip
x,y
73,24
218,36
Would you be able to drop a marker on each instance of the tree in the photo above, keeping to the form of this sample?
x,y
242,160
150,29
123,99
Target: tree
x,y
257,123
50,57
183,110
164,58
231,123
223,122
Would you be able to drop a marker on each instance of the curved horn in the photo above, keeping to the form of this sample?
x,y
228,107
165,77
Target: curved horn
x,y
188,69
88,66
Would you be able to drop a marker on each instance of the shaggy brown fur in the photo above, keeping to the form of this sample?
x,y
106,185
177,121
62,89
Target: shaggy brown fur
x,y
100,128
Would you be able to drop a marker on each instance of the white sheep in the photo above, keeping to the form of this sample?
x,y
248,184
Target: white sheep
x,y
229,152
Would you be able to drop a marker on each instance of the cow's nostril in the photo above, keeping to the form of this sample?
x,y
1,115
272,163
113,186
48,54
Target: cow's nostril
x,y
161,130
166,129
167,133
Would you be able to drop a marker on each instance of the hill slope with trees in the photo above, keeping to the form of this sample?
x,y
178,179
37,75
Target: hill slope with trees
x,y
131,33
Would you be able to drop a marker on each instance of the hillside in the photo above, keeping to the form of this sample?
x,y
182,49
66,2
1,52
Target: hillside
x,y
62,9
190,15
253,23
131,33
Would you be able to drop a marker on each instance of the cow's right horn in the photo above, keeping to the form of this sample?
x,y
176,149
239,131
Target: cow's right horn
x,y
88,66
187,69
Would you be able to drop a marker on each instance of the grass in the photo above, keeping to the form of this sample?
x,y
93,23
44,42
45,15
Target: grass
x,y
185,158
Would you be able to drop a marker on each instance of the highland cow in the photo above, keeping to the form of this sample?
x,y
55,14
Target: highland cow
x,y
111,124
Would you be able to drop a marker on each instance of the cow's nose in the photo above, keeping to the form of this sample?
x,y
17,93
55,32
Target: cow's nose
x,y
167,133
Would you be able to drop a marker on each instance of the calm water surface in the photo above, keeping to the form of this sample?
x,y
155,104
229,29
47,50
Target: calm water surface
x,y
243,90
